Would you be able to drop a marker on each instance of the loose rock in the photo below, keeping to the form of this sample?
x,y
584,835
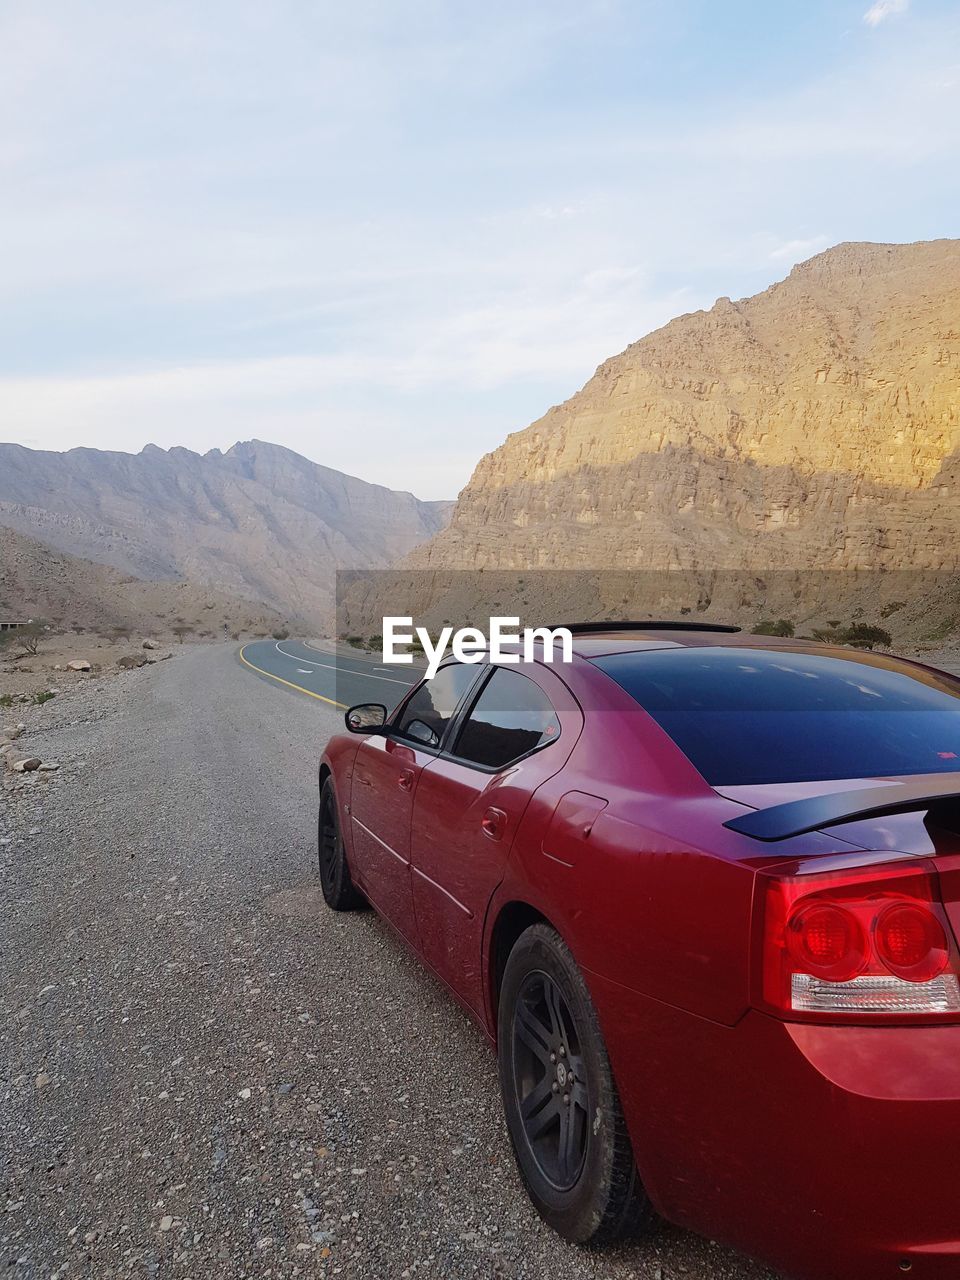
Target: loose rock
x,y
131,660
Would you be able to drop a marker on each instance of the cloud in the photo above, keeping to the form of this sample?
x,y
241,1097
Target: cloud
x,y
884,9
797,250
344,227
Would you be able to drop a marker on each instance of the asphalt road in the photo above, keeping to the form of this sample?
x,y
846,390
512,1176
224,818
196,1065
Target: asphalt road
x,y
342,679
205,1073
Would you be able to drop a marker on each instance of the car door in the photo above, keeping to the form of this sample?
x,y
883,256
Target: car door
x,y
468,805
385,780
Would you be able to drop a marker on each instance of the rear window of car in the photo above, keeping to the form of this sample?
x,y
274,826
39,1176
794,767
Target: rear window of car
x,y
777,715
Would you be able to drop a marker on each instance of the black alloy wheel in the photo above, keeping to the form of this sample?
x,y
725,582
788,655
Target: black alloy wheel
x,y
337,887
563,1112
551,1080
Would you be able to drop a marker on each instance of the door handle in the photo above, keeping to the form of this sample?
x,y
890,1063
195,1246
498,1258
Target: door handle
x,y
405,781
492,823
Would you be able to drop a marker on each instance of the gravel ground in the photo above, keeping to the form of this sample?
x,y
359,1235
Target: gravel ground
x,y
206,1074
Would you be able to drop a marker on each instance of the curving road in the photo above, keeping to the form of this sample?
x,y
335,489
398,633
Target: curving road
x,y
323,672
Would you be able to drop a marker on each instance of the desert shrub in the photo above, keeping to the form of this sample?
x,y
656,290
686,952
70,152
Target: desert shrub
x,y
119,633
859,634
355,641
865,636
281,633
781,627
43,696
28,636
181,631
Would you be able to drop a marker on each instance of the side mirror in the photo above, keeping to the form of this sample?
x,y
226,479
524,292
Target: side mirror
x,y
366,717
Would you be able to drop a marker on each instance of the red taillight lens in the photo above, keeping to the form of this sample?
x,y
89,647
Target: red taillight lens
x,y
826,941
911,942
871,942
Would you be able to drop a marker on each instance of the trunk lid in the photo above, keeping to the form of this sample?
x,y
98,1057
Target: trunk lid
x,y
908,833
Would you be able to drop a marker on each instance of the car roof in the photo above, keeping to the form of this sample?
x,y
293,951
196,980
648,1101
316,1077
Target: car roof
x,y
599,639
594,640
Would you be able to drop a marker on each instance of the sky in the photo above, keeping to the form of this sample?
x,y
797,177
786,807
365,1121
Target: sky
x,y
387,233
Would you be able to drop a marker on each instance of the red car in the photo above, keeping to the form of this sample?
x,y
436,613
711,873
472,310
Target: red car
x,y
702,892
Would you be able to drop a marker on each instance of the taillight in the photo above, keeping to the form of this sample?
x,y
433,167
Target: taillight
x,y
911,941
871,943
826,940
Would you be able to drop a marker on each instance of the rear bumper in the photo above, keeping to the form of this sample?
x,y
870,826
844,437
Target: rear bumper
x,y
829,1152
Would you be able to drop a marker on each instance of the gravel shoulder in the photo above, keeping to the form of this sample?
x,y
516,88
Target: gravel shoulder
x,y
205,1073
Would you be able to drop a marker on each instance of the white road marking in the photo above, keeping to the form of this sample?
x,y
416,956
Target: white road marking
x,y
332,666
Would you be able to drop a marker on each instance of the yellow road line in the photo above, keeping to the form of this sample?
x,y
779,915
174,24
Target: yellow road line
x,y
289,683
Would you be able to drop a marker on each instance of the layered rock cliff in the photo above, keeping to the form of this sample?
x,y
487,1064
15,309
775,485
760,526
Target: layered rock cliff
x,y
815,425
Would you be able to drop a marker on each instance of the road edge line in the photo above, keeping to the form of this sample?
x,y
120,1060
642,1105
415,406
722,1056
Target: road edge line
x,y
289,683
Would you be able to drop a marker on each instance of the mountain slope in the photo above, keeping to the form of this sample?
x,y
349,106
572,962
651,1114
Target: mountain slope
x,y
38,582
816,424
258,521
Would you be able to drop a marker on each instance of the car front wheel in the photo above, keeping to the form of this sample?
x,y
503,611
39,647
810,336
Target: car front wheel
x,y
338,889
561,1103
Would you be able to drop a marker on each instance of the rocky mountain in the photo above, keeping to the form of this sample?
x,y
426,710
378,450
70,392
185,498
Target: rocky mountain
x,y
815,425
258,521
71,593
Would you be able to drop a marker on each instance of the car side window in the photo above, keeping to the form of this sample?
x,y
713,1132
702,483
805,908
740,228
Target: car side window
x,y
429,710
511,718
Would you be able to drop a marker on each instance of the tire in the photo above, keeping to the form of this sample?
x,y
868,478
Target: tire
x,y
563,1113
338,889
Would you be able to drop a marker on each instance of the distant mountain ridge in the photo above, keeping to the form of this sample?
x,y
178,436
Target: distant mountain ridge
x,y
257,521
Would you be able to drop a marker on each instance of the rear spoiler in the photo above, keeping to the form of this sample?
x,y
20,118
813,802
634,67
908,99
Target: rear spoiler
x,y
940,793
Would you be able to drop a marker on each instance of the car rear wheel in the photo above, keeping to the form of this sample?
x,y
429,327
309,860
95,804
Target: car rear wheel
x,y
563,1113
338,889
